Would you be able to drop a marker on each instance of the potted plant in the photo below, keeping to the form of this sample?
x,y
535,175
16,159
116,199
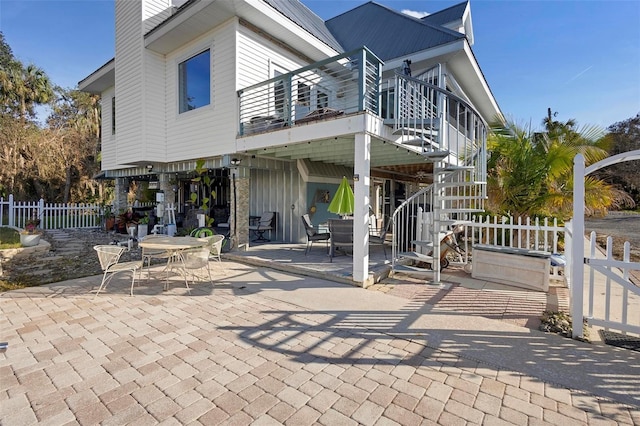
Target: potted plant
x,y
109,218
30,236
143,226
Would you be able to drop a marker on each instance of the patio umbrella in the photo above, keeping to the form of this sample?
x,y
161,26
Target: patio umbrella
x,y
343,200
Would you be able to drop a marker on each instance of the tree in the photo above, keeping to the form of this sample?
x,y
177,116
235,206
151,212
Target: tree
x,y
72,142
625,137
532,173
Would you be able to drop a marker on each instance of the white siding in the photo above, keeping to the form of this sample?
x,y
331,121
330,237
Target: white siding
x,y
209,130
108,140
129,48
154,118
257,57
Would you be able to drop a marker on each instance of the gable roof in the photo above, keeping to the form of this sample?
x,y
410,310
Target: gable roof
x,y
306,19
444,16
387,33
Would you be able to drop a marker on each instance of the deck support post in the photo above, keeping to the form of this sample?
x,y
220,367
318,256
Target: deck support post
x,y
361,182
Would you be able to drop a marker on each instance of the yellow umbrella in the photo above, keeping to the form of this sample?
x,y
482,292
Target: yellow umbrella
x,y
343,200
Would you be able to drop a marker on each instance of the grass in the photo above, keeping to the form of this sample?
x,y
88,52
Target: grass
x,y
9,238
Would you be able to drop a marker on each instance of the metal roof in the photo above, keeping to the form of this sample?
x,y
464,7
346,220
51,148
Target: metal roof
x,y
444,16
386,32
306,19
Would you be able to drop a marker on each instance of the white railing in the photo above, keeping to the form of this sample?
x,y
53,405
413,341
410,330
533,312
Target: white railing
x,y
613,299
51,216
503,231
539,235
343,84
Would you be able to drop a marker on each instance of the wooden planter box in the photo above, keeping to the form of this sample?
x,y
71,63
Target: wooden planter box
x,y
522,268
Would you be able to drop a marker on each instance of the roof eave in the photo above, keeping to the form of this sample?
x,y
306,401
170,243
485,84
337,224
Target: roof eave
x,y
99,80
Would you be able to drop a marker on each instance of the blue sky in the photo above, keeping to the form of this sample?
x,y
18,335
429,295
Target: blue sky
x,y
581,58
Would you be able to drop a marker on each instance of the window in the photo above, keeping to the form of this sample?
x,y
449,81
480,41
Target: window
x,y
113,115
322,100
279,95
304,94
194,76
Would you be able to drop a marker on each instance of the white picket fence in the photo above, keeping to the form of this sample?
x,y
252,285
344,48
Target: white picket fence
x,y
51,215
603,293
505,232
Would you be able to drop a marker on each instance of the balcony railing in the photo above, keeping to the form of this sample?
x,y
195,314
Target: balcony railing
x,y
339,85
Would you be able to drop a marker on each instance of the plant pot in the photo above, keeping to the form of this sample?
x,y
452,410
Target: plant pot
x,y
143,229
29,240
109,223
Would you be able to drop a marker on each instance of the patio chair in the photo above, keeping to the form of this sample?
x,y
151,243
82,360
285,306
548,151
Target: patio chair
x,y
214,243
312,234
265,223
109,256
381,239
192,261
148,254
341,231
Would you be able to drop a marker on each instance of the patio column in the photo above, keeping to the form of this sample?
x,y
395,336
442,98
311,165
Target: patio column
x,y
361,178
239,220
120,190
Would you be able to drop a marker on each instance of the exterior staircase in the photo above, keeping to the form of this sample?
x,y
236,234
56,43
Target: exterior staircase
x,y
452,136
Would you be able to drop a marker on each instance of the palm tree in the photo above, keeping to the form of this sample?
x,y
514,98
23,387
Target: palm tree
x,y
531,173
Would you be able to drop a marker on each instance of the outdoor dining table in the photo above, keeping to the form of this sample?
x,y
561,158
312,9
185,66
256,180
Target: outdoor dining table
x,y
174,247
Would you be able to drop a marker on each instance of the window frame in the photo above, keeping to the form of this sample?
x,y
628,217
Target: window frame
x,y
179,77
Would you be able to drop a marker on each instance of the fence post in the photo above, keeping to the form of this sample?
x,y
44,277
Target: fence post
x,y
577,251
11,214
41,213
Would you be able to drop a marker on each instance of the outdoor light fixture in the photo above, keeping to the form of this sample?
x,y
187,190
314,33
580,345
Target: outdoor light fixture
x,y
149,167
235,161
356,177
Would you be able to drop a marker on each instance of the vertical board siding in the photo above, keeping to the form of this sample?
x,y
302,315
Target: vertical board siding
x,y
209,130
277,189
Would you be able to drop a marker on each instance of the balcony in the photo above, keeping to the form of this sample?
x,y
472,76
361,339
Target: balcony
x,y
345,84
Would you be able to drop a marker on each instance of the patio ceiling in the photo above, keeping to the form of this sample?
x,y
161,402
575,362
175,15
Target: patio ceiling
x,y
388,160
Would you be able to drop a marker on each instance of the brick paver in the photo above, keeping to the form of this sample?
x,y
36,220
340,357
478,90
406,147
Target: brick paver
x,y
232,356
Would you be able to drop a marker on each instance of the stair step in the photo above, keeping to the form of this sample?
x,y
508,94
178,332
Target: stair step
x,y
406,269
423,244
452,168
412,255
417,142
456,184
436,155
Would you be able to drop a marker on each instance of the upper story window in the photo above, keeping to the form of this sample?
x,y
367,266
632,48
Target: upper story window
x,y
113,115
194,85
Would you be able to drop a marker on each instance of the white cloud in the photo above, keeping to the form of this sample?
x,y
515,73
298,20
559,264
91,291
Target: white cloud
x,y
415,13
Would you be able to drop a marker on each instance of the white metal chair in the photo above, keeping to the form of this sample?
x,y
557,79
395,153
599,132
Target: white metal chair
x,y
109,257
194,260
214,242
148,254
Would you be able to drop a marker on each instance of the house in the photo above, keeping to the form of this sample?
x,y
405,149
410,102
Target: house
x,y
281,105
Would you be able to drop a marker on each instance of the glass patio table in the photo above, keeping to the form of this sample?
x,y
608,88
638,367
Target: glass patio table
x,y
173,248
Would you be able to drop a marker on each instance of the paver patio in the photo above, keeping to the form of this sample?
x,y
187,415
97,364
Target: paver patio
x,y
268,347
